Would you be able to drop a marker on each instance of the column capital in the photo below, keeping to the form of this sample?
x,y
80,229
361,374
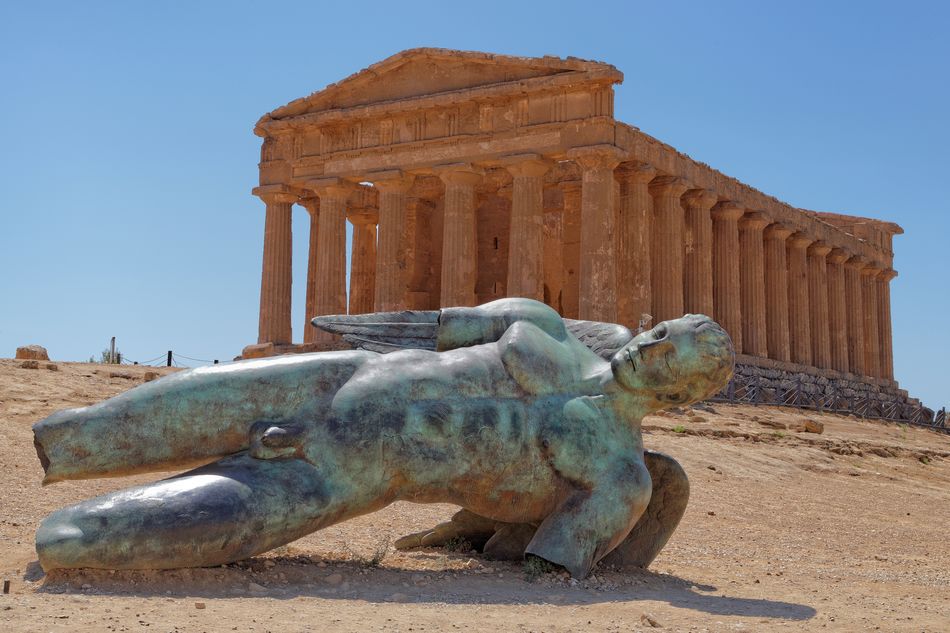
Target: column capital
x,y
331,187
754,220
800,240
777,231
526,164
872,269
391,180
856,262
275,193
668,185
838,256
311,204
358,217
700,198
458,174
887,274
597,156
635,172
819,249
727,210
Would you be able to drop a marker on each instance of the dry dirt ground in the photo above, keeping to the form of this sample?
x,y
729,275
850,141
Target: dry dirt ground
x,y
786,530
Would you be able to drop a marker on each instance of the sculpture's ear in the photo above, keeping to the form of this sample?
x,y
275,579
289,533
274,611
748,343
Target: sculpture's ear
x,y
384,332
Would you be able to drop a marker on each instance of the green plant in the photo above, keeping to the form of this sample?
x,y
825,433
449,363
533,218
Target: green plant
x,y
679,428
375,559
457,544
535,567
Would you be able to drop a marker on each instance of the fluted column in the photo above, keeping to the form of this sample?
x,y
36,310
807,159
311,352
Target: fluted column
x,y
571,253
727,302
331,249
884,322
667,266
276,271
799,323
752,283
312,205
363,260
855,305
697,255
597,299
636,233
776,292
837,310
392,240
459,240
872,335
818,304
526,231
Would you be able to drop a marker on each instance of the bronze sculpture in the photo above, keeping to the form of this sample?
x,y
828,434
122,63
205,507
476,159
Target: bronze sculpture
x,y
530,422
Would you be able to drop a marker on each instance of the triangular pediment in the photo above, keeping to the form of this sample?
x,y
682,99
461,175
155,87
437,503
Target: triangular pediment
x,y
429,71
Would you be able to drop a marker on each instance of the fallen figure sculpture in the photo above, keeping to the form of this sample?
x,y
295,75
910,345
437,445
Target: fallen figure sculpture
x,y
529,422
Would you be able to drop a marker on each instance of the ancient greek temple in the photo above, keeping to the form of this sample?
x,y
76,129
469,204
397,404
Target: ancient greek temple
x,y
468,177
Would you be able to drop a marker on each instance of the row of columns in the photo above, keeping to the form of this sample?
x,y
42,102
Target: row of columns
x,y
664,247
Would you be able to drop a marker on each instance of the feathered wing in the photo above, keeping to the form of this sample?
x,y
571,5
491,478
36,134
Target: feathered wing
x,y
604,339
386,332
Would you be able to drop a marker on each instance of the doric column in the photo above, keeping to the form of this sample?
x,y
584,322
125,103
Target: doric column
x,y
855,305
872,335
526,231
331,249
884,322
776,292
837,310
363,260
571,190
459,240
391,265
276,272
818,304
697,256
312,205
597,299
727,302
752,283
667,254
636,233
799,323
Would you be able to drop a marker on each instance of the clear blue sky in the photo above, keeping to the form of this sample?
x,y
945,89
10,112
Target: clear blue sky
x,y
128,156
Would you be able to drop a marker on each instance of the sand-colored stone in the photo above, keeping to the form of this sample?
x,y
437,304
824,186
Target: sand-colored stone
x,y
32,352
855,307
503,176
884,322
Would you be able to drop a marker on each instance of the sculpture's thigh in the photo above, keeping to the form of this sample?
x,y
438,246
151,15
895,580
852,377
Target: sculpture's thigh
x,y
219,513
663,514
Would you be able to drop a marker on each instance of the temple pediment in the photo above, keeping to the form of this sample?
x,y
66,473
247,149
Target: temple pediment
x,y
425,72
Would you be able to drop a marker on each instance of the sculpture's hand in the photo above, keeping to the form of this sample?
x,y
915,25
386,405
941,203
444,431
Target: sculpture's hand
x,y
463,526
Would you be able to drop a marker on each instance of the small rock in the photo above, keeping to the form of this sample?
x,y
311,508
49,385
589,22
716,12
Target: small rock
x,y
150,376
52,366
711,513
121,374
772,424
880,558
649,620
269,563
333,579
256,588
200,605
711,467
398,597
29,364
471,563
86,587
32,352
813,426
321,564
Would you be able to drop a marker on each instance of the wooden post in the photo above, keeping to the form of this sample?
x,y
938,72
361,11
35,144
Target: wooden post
x,y
112,351
169,361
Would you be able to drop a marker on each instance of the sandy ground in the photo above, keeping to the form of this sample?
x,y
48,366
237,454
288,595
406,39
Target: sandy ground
x,y
847,531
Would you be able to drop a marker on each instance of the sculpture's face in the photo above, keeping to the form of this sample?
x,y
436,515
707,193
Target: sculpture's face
x,y
677,362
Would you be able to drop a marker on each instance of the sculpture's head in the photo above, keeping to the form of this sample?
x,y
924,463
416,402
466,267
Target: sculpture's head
x,y
677,362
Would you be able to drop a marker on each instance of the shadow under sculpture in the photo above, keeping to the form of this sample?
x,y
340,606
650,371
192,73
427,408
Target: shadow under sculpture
x,y
528,421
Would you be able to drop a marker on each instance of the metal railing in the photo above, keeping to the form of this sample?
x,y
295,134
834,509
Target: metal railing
x,y
752,390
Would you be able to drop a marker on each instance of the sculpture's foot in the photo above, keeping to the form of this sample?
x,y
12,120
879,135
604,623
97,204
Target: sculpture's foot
x,y
216,514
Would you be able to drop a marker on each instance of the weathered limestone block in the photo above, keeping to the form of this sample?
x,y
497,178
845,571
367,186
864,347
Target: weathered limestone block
x,y
32,352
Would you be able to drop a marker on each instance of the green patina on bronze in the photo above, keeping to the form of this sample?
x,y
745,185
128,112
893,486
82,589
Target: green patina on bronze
x,y
529,422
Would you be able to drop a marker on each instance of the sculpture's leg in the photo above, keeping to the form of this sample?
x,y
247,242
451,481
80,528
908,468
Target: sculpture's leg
x,y
663,514
219,513
507,541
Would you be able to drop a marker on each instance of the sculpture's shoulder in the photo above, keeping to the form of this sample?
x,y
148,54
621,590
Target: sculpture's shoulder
x,y
539,362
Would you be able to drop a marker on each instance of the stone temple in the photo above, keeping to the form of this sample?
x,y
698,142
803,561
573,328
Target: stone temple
x,y
470,176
